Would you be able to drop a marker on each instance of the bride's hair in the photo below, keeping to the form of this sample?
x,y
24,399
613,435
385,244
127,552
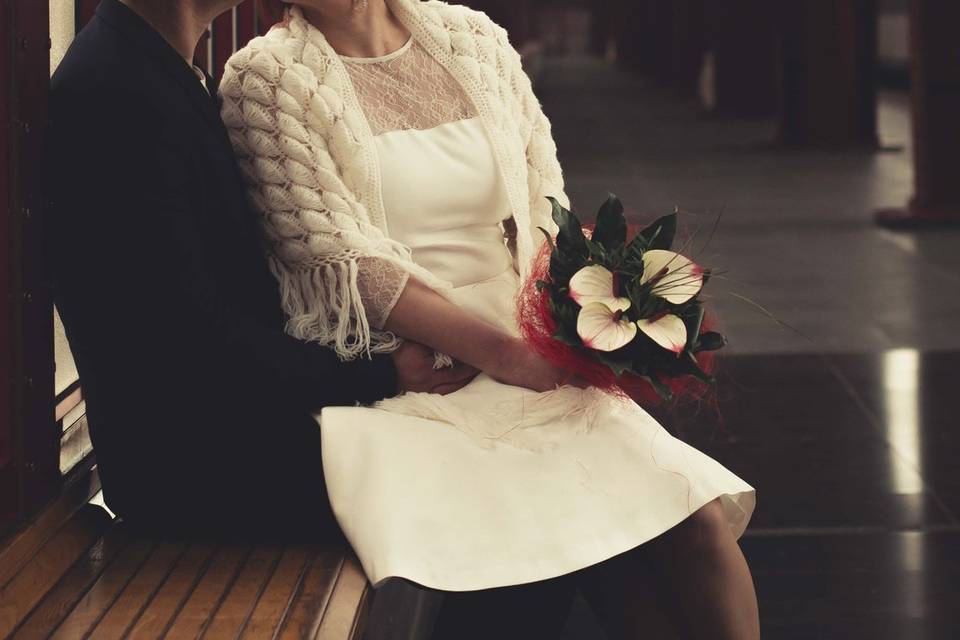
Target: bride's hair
x,y
271,11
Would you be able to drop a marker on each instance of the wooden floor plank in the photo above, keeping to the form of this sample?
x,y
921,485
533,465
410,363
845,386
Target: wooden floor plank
x,y
209,592
41,574
346,610
108,587
306,611
230,617
125,610
173,593
58,603
278,595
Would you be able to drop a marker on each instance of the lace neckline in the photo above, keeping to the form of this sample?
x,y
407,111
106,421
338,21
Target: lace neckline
x,y
387,56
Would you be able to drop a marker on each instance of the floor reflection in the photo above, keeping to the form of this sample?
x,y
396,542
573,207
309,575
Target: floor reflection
x,y
901,388
910,555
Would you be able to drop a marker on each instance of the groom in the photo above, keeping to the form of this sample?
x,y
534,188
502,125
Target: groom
x,y
198,403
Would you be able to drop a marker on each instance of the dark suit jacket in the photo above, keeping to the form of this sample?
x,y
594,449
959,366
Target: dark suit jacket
x,y
198,403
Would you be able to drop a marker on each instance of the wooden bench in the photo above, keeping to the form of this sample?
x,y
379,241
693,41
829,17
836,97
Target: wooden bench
x,y
74,572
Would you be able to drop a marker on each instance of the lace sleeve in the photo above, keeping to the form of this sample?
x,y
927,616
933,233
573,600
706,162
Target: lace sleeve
x,y
380,284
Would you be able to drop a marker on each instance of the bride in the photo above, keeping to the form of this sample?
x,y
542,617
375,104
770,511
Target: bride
x,y
401,163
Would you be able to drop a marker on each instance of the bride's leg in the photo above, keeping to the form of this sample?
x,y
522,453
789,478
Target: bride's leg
x,y
627,597
707,576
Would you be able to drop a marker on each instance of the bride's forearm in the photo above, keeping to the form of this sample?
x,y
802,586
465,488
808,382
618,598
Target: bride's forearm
x,y
423,315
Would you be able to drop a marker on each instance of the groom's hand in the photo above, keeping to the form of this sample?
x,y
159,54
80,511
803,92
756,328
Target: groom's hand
x,y
415,371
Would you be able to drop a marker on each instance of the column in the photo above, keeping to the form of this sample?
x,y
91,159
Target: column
x,y
741,39
935,105
828,78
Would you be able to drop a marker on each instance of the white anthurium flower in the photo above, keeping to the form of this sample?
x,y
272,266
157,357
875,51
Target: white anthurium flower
x,y
668,331
677,279
595,284
603,328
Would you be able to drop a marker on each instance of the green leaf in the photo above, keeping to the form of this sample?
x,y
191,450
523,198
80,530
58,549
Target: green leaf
x,y
617,365
563,336
690,366
549,238
598,252
660,234
570,239
610,231
710,341
693,321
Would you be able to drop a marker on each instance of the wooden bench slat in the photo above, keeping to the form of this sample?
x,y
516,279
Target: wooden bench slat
x,y
60,601
26,589
126,608
21,548
345,613
73,573
206,596
108,587
229,619
174,592
306,611
277,597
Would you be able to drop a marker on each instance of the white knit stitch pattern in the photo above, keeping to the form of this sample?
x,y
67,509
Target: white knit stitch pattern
x,y
307,152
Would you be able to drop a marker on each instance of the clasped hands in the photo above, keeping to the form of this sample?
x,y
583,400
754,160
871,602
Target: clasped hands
x,y
515,364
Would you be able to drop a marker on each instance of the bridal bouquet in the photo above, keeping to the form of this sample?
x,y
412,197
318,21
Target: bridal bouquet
x,y
620,309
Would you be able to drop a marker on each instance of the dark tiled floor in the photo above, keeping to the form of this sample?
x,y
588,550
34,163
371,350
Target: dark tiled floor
x,y
849,434
854,458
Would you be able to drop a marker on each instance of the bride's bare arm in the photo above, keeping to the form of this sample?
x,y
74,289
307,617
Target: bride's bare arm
x,y
425,316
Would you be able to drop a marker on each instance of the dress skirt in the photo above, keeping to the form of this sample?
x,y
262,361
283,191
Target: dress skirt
x,y
496,485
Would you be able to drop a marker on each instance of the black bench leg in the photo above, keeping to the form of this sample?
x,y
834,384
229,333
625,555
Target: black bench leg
x,y
535,611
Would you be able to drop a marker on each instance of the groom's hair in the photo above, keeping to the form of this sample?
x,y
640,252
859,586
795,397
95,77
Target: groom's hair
x,y
271,11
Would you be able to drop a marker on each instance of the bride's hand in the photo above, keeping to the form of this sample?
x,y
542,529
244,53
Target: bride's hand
x,y
518,365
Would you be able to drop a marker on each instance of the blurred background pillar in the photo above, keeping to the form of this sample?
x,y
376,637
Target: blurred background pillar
x,y
741,60
688,43
512,15
935,109
662,39
828,77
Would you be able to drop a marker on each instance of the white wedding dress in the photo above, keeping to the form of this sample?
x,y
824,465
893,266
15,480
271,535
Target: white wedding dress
x,y
493,485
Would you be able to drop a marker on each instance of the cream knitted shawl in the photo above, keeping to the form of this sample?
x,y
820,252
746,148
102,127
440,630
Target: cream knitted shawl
x,y
307,152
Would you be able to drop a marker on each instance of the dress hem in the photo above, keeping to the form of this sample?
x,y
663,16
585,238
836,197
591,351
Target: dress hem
x,y
738,506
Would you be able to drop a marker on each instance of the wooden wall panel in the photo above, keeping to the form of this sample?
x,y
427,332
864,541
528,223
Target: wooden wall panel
x,y
8,282
246,22
85,10
30,439
223,34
